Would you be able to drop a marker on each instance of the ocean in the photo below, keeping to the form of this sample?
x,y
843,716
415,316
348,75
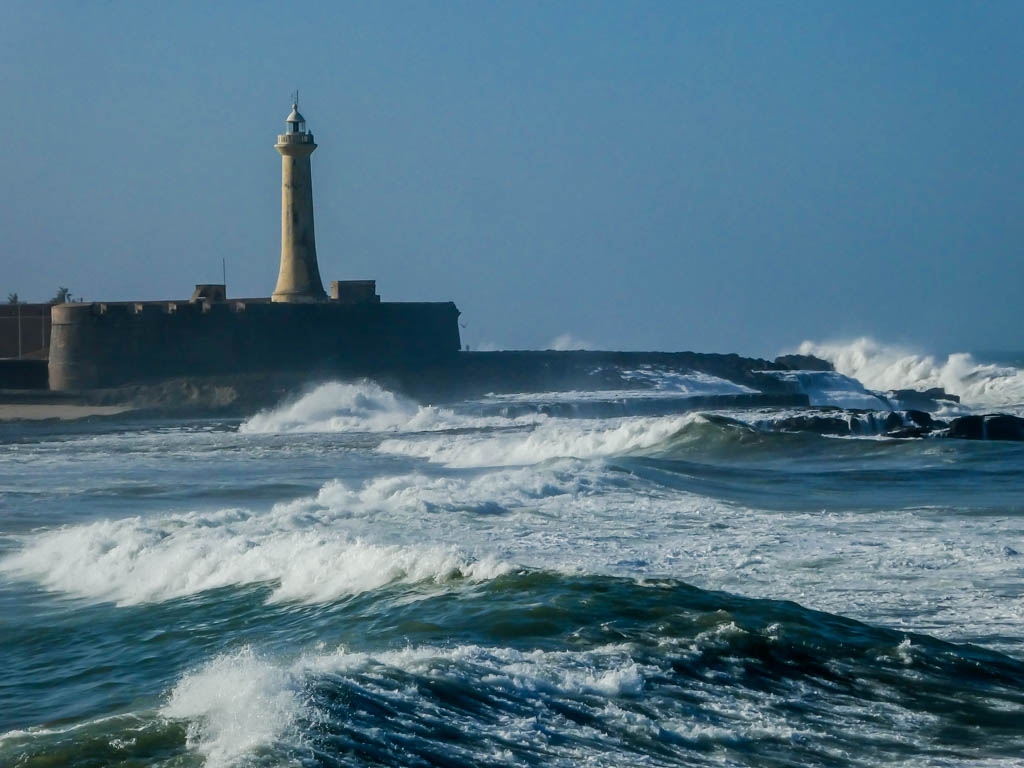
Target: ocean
x,y
351,578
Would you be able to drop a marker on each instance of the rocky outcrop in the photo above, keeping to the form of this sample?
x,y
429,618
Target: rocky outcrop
x,y
839,423
912,424
991,427
900,425
803,363
922,419
927,400
836,426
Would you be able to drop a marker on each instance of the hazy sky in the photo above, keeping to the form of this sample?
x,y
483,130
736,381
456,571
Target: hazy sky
x,y
640,175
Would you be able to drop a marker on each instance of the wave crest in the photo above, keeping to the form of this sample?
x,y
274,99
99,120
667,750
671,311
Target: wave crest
x,y
235,705
342,407
554,439
365,406
887,367
296,546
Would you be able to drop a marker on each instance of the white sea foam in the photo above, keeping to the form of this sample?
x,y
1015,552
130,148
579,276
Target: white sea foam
x,y
651,384
337,407
556,438
606,670
240,702
827,388
885,367
345,539
930,570
667,381
300,547
235,705
128,720
364,406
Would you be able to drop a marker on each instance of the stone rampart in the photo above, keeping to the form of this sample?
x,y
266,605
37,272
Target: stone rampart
x,y
112,344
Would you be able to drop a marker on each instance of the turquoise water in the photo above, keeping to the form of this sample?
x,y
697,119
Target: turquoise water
x,y
353,579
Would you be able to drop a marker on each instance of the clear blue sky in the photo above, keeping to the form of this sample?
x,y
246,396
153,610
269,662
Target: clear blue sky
x,y
671,175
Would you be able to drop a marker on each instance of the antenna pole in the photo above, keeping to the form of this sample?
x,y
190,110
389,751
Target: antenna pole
x,y
224,274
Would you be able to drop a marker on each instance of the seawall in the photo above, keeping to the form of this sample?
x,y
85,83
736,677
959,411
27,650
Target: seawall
x,y
114,344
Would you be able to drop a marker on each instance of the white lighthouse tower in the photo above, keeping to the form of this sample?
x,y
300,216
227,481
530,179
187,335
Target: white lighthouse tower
x,y
299,278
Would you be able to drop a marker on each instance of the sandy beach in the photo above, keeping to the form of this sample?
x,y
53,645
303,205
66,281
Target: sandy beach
x,y
61,411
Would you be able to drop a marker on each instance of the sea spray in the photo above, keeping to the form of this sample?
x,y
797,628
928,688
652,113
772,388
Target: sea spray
x,y
339,406
363,406
886,367
831,389
235,705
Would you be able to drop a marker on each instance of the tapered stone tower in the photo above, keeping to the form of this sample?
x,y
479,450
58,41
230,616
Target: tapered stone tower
x,y
299,278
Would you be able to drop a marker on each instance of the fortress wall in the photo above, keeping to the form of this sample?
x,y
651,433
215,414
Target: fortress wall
x,y
106,345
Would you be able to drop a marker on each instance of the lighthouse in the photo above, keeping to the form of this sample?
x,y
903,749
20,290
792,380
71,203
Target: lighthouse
x,y
299,278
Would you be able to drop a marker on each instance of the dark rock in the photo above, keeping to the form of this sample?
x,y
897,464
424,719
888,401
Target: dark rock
x,y
967,428
869,423
922,419
938,393
767,381
929,400
1004,427
804,363
819,425
893,421
911,424
996,427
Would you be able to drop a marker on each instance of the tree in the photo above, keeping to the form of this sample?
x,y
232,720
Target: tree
x,y
12,298
63,296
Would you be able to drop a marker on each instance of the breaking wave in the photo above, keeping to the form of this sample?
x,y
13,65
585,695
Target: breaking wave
x,y
364,406
235,705
885,367
553,439
343,407
605,671
301,547
240,703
